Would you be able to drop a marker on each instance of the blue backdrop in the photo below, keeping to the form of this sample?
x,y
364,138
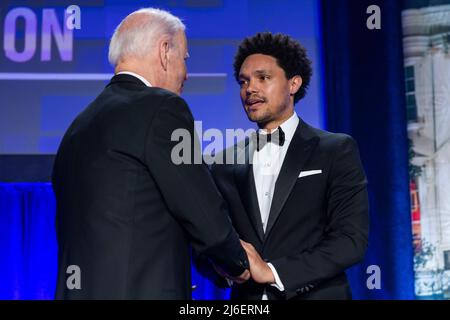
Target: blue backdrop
x,y
29,250
360,80
33,123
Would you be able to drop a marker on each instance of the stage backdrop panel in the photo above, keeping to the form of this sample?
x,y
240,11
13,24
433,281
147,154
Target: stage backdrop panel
x,y
49,73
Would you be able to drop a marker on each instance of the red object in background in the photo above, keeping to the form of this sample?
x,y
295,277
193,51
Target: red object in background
x,y
415,216
415,204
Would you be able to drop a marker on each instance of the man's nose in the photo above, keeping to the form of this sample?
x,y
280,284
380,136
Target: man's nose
x,y
251,88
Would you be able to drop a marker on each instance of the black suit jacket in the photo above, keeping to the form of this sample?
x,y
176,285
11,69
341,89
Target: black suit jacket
x,y
126,215
318,224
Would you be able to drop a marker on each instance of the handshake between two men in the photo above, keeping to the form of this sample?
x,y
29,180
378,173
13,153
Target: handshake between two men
x,y
259,269
126,194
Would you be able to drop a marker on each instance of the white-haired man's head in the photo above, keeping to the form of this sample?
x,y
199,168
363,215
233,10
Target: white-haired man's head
x,y
152,43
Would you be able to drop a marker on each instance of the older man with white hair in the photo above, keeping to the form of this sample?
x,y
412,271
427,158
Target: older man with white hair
x,y
127,215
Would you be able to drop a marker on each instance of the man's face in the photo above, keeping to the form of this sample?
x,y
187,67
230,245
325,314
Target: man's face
x,y
265,90
176,67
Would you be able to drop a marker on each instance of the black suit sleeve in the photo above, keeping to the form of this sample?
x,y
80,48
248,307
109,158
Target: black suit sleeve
x,y
346,235
188,188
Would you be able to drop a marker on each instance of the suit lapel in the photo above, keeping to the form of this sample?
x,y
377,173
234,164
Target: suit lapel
x,y
247,190
300,149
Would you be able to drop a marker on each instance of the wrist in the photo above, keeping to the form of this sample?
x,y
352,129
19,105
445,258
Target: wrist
x,y
270,277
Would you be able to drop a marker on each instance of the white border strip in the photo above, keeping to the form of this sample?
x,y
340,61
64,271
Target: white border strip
x,y
84,76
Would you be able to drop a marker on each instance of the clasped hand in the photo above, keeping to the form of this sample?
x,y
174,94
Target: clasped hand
x,y
259,270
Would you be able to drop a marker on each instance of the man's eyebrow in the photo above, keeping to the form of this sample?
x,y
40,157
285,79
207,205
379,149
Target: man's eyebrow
x,y
257,72
261,72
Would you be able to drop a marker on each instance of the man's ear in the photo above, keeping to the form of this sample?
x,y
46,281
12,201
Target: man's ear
x,y
295,84
163,52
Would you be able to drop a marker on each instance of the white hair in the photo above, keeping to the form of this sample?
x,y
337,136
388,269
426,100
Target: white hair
x,y
136,39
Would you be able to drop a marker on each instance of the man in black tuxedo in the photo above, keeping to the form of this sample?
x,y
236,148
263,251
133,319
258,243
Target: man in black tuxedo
x,y
126,213
297,195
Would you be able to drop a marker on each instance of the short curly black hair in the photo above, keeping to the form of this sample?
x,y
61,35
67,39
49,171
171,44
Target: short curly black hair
x,y
289,53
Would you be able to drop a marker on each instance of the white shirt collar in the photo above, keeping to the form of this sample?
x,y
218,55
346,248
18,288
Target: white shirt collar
x,y
288,127
145,81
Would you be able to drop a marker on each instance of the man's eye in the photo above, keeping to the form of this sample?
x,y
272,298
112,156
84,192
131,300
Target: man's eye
x,y
265,77
242,82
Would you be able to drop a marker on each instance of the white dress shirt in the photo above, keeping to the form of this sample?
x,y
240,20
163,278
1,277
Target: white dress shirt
x,y
145,81
266,166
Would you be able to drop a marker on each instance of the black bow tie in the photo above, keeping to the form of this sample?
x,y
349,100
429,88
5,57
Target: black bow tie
x,y
276,137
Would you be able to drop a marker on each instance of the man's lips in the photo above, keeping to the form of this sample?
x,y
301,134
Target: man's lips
x,y
254,102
